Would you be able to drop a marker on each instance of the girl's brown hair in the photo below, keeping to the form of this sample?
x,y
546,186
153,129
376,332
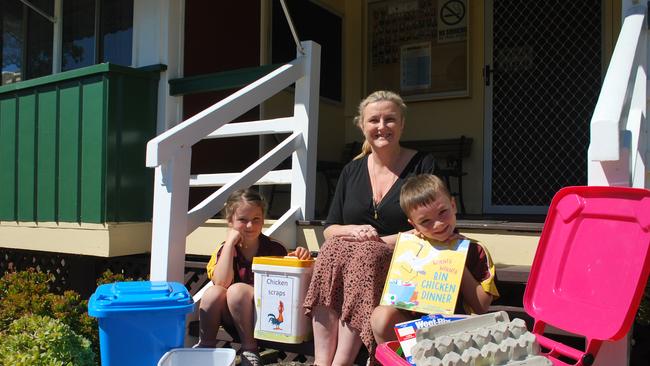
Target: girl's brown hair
x,y
247,195
378,96
421,190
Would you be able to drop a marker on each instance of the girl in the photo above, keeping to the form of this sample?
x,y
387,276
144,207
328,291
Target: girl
x,y
230,301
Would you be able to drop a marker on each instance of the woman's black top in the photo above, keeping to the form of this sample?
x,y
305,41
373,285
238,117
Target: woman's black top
x,y
352,203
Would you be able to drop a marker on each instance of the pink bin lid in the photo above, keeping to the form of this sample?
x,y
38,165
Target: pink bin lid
x,y
592,261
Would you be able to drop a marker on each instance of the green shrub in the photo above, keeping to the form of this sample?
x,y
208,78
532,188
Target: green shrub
x,y
22,293
71,309
109,277
643,316
41,340
27,293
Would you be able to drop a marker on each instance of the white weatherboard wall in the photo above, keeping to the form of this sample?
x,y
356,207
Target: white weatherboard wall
x,y
101,240
158,29
507,248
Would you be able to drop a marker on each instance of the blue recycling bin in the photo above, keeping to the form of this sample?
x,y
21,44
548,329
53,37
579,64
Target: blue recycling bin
x,y
139,321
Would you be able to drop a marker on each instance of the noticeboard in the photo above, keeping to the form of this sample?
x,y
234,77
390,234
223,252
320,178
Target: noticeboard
x,y
419,48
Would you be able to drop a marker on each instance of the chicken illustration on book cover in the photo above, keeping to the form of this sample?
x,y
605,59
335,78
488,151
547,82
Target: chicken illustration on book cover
x,y
424,276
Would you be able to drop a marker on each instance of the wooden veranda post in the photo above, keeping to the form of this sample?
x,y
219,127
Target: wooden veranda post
x,y
306,113
169,223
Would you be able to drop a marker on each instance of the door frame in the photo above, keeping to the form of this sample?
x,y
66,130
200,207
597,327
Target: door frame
x,y
488,84
488,207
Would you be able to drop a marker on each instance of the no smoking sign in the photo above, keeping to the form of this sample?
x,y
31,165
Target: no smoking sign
x,y
452,20
452,12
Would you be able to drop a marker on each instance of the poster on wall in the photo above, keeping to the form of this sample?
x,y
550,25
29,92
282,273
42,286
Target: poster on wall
x,y
419,48
415,66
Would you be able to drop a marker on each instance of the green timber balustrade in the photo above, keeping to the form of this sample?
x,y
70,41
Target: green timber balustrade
x,y
72,146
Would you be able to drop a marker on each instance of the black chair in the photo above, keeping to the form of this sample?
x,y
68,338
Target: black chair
x,y
449,154
328,170
331,170
452,167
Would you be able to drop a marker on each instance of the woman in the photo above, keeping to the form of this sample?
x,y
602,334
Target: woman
x,y
360,233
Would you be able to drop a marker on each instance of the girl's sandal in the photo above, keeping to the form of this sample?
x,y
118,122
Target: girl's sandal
x,y
251,358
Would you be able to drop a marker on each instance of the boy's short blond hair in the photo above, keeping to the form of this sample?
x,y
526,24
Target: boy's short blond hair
x,y
421,190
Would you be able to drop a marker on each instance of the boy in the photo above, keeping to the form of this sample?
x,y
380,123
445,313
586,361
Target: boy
x,y
432,212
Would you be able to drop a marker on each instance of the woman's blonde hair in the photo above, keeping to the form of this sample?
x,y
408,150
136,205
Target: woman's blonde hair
x,y
239,196
421,190
378,96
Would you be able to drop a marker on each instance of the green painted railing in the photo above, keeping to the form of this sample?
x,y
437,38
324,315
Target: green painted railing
x,y
232,79
72,146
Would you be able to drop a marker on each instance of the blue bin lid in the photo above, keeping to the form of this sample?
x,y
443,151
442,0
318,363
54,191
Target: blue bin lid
x,y
122,297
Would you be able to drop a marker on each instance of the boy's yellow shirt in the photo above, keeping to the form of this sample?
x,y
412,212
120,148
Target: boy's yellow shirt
x,y
489,285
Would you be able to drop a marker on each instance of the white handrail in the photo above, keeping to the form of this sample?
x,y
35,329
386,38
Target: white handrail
x,y
216,180
161,148
213,203
170,154
266,127
618,138
615,92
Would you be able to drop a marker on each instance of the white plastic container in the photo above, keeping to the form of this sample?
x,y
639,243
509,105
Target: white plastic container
x,y
198,356
281,285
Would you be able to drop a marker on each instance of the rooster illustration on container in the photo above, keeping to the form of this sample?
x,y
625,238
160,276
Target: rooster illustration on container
x,y
277,320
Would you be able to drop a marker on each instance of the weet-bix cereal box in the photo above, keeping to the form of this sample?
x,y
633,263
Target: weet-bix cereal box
x,y
406,331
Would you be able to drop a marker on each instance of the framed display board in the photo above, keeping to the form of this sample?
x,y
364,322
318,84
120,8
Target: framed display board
x,y
419,48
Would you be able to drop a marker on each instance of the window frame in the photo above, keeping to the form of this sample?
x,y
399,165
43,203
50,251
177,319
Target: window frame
x,y
29,10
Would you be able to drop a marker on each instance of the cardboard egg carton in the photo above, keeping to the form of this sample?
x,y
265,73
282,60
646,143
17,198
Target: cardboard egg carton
x,y
484,340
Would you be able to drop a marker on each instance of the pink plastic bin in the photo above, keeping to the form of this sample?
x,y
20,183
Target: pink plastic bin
x,y
386,354
590,268
589,271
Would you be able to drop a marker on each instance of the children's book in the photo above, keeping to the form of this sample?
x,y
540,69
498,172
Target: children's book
x,y
424,276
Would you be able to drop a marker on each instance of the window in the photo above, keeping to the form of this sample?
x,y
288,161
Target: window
x,y
116,30
12,41
93,31
25,55
78,34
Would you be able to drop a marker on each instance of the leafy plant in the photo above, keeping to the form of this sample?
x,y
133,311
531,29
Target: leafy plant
x,y
643,315
109,277
71,309
28,293
22,293
41,340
